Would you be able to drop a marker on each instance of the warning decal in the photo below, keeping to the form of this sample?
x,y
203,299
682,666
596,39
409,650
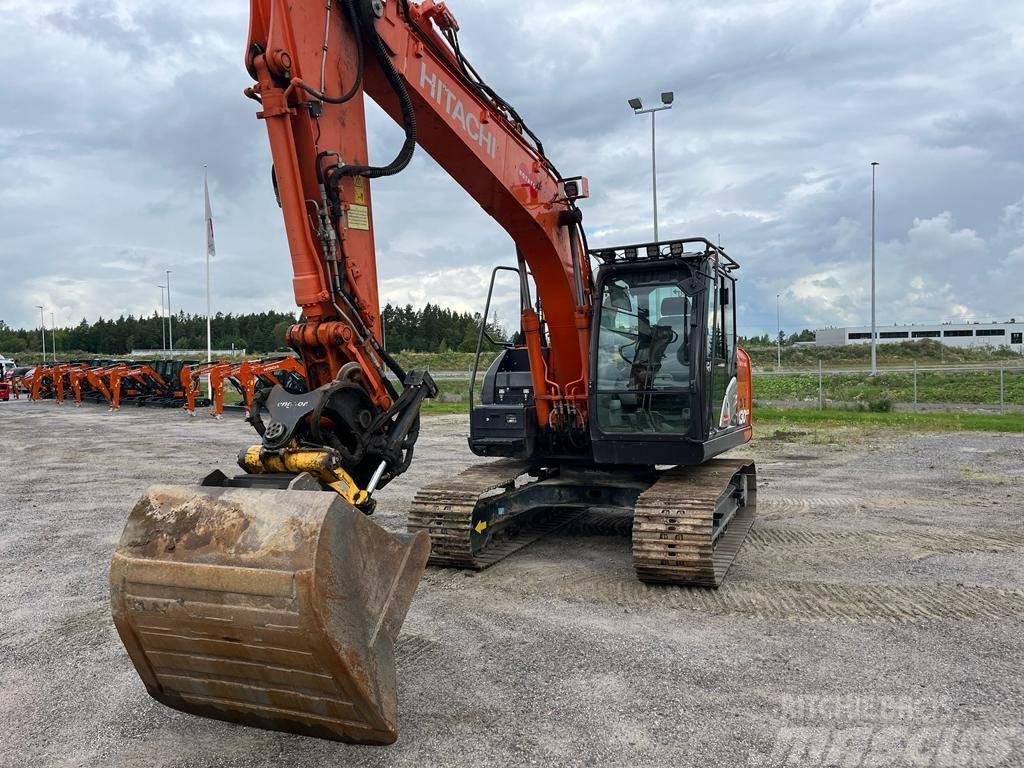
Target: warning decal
x,y
358,217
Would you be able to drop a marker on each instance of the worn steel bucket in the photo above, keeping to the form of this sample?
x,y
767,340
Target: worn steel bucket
x,y
272,608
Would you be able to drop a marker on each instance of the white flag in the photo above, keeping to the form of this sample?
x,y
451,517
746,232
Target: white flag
x,y
211,250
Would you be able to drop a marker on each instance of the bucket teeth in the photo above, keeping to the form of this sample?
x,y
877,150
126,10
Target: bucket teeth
x,y
272,608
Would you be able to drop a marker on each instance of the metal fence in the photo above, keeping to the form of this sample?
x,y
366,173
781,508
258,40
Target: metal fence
x,y
991,387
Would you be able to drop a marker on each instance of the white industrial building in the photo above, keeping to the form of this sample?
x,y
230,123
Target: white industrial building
x,y
1009,334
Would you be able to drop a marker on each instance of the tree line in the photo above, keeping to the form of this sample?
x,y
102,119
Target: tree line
x,y
764,340
430,329
434,329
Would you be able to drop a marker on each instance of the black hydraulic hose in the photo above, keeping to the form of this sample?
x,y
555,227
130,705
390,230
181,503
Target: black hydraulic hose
x,y
255,417
471,73
366,336
472,79
586,254
350,12
404,155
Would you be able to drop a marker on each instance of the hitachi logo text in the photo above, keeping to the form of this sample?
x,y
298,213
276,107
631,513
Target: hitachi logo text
x,y
451,104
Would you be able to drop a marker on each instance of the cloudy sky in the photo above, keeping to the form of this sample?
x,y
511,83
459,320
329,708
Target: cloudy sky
x,y
111,107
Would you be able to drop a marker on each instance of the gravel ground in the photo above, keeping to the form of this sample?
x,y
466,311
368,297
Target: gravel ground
x,y
874,616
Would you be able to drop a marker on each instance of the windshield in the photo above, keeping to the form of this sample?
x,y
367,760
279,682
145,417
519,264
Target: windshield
x,y
643,359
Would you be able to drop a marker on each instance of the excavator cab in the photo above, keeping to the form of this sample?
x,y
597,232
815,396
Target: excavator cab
x,y
665,368
668,383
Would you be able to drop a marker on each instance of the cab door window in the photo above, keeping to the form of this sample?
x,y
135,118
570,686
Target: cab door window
x,y
721,358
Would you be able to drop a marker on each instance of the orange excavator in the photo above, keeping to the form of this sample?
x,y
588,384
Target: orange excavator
x,y
286,371
269,597
50,380
90,377
141,379
246,376
191,377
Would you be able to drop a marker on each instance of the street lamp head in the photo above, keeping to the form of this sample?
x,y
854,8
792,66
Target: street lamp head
x,y
667,98
636,104
875,164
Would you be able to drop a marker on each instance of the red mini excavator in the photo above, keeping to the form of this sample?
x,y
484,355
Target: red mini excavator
x,y
269,597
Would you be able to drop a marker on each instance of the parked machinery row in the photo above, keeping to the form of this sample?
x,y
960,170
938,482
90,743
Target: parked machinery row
x,y
160,383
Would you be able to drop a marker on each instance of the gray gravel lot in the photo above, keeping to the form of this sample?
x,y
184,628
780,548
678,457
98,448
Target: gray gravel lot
x,y
875,616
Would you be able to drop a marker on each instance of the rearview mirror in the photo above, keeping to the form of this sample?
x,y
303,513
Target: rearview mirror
x,y
618,296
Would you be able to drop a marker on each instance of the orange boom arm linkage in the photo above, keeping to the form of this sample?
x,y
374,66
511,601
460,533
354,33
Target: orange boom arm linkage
x,y
474,137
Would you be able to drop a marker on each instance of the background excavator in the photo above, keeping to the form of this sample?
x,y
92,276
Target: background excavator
x,y
269,597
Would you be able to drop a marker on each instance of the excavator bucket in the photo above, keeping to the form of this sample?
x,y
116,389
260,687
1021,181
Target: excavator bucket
x,y
272,608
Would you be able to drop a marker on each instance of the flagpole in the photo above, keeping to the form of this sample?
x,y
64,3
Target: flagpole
x,y
209,343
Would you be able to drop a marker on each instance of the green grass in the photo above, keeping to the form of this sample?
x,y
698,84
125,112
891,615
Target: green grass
x,y
444,361
966,387
924,351
767,418
940,421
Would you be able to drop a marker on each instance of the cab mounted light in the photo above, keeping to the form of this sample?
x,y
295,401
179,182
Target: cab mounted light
x,y
576,188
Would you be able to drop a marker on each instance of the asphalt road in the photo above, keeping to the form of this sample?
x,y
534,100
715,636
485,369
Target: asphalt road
x,y
875,616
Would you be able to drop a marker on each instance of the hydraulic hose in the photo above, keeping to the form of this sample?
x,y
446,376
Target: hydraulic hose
x,y
350,13
368,20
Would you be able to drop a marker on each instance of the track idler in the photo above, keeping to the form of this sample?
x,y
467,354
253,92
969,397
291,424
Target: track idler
x,y
272,608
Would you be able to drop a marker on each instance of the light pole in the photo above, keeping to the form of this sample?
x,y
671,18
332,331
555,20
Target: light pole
x,y
42,329
874,334
638,109
170,316
53,337
778,321
163,321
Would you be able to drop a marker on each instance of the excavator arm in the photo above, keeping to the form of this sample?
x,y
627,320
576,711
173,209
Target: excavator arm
x,y
312,64
269,598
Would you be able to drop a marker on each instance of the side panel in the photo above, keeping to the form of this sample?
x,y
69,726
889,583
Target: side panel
x,y
745,393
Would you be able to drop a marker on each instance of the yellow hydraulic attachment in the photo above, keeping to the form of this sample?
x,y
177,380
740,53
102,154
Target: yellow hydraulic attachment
x,y
294,460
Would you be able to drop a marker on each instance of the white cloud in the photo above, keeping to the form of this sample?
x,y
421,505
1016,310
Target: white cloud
x,y
117,104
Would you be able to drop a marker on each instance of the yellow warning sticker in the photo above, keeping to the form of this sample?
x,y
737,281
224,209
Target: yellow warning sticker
x,y
358,217
359,190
